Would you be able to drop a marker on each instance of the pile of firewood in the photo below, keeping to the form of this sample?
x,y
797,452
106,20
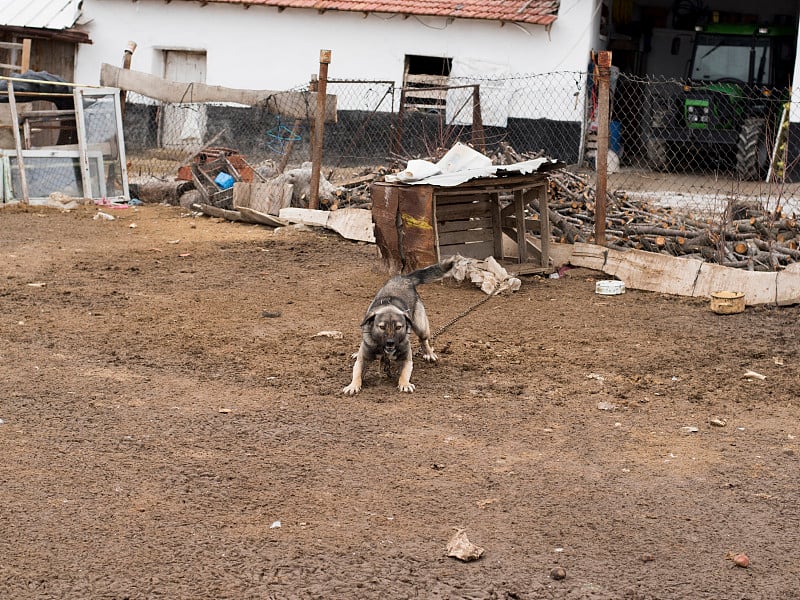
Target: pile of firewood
x,y
745,236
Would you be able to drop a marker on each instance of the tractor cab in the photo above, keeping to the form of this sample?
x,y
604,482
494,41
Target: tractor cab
x,y
737,81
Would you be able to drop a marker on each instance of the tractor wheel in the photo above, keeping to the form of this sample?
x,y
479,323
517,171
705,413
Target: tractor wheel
x,y
658,154
752,155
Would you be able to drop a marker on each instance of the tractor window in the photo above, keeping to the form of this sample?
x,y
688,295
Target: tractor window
x,y
721,58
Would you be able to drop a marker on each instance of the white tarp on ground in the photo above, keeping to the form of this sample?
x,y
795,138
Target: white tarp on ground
x,y
460,164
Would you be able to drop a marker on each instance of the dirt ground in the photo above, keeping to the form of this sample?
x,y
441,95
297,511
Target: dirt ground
x,y
172,428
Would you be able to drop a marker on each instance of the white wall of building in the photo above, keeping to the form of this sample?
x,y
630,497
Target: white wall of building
x,y
262,48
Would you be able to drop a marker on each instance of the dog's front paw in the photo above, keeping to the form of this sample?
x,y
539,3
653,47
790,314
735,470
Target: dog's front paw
x,y
354,355
428,353
352,389
406,387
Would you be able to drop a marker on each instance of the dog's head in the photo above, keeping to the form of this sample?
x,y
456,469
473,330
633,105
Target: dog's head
x,y
387,327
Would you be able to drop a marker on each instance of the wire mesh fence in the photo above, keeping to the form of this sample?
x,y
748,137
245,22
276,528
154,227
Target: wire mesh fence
x,y
715,154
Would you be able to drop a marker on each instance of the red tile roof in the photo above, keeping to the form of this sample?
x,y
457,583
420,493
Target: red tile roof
x,y
537,12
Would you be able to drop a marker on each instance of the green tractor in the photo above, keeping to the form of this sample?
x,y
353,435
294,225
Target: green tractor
x,y
729,108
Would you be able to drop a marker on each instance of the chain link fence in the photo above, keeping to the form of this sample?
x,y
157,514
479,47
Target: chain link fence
x,y
685,164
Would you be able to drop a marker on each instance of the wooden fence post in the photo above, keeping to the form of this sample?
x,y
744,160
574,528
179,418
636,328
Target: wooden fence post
x,y
478,139
603,76
23,178
126,64
319,128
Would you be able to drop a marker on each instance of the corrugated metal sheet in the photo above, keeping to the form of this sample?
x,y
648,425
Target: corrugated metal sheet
x,y
461,164
40,14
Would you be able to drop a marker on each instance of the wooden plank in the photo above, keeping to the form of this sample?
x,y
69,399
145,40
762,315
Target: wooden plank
x,y
426,79
416,93
462,237
254,216
531,248
544,221
479,223
306,216
12,104
688,277
463,211
589,256
759,287
298,105
241,194
788,285
443,200
221,213
528,268
497,226
519,208
270,197
479,250
531,225
653,272
352,224
25,59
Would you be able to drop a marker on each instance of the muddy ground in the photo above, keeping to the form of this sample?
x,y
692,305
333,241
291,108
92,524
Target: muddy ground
x,y
165,404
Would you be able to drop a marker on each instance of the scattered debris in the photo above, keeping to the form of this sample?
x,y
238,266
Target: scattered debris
x,y
606,406
753,375
350,223
717,422
689,429
558,573
740,559
102,215
487,274
461,548
609,287
334,335
300,180
275,525
270,314
61,201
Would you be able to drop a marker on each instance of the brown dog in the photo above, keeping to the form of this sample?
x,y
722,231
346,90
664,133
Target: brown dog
x,y
394,313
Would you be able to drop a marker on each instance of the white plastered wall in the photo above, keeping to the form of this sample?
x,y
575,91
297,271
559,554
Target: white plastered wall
x,y
262,48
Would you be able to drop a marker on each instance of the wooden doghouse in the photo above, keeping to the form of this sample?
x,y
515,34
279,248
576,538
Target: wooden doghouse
x,y
417,225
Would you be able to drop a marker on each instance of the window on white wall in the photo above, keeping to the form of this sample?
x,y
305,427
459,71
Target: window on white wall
x,y
420,75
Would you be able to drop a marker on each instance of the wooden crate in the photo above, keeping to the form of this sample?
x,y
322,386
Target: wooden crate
x,y
416,225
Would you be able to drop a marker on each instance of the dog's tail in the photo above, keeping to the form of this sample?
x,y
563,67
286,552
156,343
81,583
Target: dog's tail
x,y
433,272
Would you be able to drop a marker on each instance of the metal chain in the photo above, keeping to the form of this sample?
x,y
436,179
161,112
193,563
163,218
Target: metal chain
x,y
461,315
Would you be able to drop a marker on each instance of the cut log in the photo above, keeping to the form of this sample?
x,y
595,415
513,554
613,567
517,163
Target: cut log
x,y
158,192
